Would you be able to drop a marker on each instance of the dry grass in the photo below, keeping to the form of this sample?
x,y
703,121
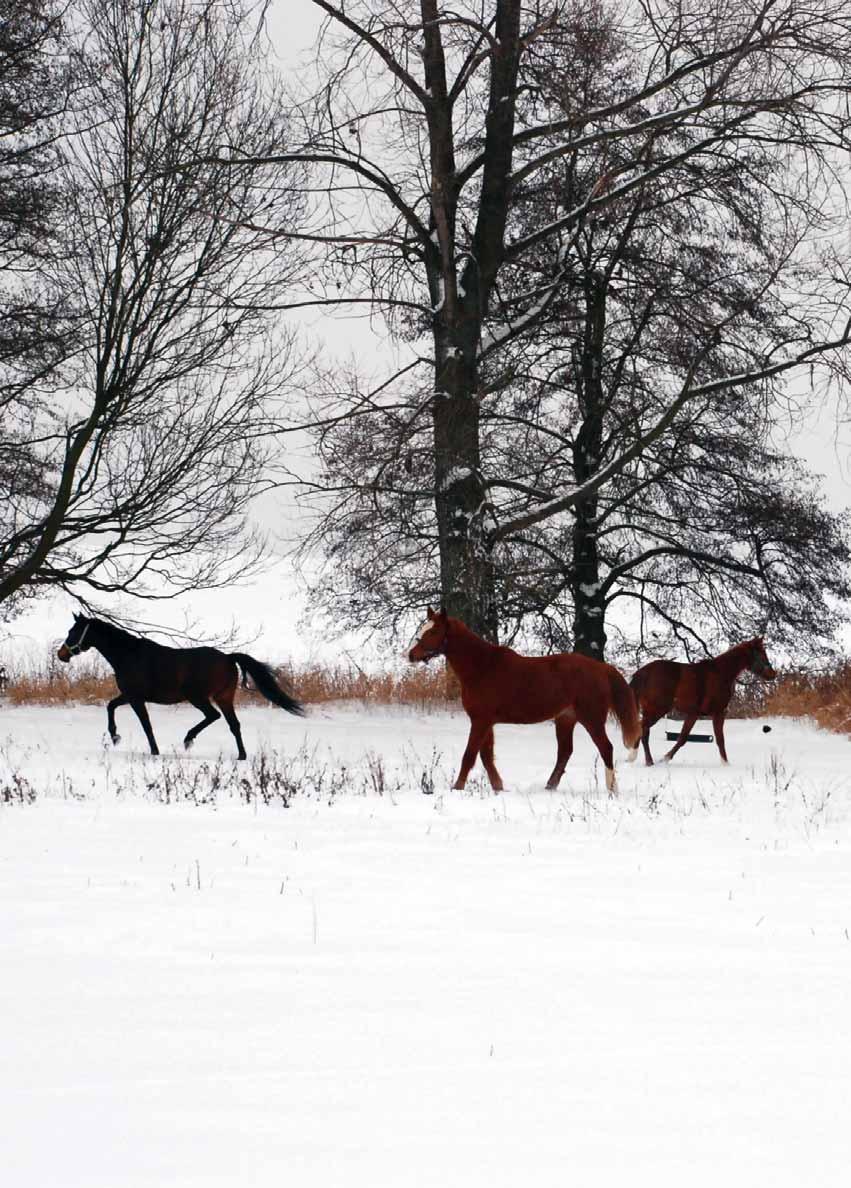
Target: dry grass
x,y
86,684
418,685
431,687
825,697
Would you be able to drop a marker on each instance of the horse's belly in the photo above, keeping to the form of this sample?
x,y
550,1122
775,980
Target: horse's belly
x,y
513,715
168,699
693,705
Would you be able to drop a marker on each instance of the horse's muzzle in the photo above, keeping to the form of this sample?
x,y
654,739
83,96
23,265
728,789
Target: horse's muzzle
x,y
64,654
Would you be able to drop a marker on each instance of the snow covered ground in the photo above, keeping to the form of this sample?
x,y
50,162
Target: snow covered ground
x,y
373,986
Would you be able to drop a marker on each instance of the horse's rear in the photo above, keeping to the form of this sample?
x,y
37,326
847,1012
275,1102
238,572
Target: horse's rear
x,y
694,690
656,685
568,688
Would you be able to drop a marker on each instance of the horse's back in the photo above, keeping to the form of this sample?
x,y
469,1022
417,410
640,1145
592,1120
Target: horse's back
x,y
663,684
167,675
524,689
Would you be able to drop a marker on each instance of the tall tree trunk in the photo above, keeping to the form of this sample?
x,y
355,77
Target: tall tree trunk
x,y
589,615
467,577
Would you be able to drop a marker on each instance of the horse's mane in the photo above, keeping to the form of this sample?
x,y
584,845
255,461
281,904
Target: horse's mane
x,y
116,632
747,645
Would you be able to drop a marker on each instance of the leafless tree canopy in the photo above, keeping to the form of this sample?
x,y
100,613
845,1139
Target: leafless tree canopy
x,y
148,436
479,164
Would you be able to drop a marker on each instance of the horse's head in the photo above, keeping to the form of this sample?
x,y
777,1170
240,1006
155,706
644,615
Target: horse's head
x,y
76,640
759,662
430,639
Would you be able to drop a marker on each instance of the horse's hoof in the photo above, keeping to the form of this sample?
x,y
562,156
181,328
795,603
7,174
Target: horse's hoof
x,y
187,744
116,739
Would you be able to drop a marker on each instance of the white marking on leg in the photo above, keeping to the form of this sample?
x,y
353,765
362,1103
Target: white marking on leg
x,y
610,779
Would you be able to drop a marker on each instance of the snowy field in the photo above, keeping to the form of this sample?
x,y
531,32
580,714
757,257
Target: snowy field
x,y
303,971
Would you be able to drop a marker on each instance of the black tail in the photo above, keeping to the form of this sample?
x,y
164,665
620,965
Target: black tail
x,y
264,679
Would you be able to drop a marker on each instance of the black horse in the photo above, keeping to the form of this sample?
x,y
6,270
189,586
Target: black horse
x,y
148,671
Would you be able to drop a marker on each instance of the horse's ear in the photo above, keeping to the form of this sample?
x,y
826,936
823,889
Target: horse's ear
x,y
442,611
76,617
430,613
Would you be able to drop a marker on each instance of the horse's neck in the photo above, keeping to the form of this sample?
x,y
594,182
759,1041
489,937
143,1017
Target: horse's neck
x,y
467,653
733,663
112,643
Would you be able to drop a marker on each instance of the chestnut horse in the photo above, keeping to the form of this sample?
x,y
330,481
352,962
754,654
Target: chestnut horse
x,y
698,690
148,671
498,685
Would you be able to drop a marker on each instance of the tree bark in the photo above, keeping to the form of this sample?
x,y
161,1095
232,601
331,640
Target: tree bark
x,y
467,577
589,628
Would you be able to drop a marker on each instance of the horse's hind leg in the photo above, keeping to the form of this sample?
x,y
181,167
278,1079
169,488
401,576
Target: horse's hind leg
x,y
603,743
564,740
225,704
142,714
648,721
211,715
686,730
110,717
486,751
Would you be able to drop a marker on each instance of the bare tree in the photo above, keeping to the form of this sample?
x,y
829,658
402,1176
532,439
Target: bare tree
x,y
431,122
152,435
36,83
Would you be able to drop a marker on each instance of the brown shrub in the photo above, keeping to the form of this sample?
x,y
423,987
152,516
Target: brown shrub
x,y
418,686
825,697
89,684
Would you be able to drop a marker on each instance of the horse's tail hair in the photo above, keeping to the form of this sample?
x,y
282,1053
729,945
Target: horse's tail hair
x,y
625,709
264,679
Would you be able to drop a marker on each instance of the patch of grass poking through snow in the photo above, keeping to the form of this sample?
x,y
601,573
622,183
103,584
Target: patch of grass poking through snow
x,y
16,789
272,777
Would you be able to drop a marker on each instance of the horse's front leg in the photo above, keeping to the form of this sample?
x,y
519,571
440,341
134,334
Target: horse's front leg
x,y
718,727
142,714
110,717
478,732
